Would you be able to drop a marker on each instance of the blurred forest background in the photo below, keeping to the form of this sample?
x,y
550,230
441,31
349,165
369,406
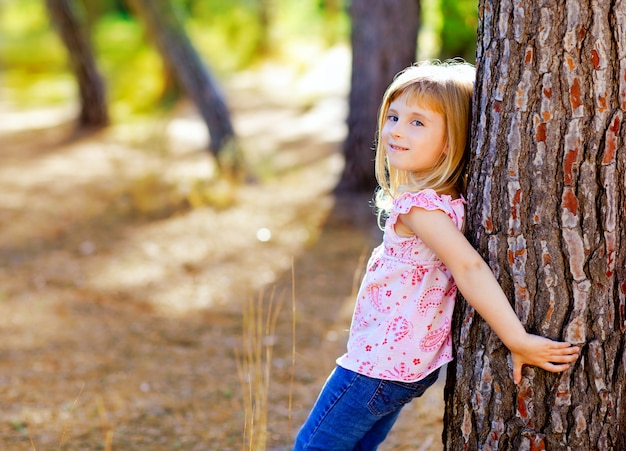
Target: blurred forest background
x,y
230,37
143,264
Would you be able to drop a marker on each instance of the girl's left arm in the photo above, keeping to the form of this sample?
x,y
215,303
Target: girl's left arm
x,y
480,288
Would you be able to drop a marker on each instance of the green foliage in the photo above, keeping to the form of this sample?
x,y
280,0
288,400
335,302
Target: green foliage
x,y
458,34
429,39
301,20
31,55
236,34
23,16
229,35
134,70
448,29
26,40
229,39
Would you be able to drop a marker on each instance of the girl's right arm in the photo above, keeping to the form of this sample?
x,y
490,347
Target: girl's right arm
x,y
480,288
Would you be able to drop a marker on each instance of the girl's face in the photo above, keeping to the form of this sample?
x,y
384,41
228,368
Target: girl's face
x,y
414,137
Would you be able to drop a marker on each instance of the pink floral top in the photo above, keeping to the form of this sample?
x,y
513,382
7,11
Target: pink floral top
x,y
401,323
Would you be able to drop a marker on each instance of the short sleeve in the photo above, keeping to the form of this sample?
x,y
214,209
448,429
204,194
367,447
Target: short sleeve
x,y
427,199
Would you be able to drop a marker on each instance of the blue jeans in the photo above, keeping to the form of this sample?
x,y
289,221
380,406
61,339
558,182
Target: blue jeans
x,y
356,412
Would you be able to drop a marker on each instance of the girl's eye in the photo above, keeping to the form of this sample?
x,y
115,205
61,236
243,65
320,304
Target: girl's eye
x,y
417,123
392,118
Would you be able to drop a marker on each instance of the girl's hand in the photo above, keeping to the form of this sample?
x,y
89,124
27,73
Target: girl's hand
x,y
553,356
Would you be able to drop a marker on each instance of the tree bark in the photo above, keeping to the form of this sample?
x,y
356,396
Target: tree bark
x,y
384,41
546,195
179,54
94,112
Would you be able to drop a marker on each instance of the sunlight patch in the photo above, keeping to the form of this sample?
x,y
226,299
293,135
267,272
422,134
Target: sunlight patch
x,y
264,234
34,119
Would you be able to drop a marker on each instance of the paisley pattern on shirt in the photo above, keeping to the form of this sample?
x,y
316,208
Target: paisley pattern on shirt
x,y
402,318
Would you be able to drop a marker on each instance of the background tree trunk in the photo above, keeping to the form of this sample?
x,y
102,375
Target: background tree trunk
x,y
384,41
545,200
265,13
179,54
94,112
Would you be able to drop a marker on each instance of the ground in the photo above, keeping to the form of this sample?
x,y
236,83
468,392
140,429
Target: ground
x,y
132,278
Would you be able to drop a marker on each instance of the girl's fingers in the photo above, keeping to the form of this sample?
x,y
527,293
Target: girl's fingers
x,y
555,368
565,355
517,373
563,358
565,347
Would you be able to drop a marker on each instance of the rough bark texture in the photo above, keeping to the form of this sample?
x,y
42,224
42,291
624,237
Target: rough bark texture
x,y
384,41
546,205
179,54
94,112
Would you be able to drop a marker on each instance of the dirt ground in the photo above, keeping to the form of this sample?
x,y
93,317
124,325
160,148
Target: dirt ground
x,y
126,269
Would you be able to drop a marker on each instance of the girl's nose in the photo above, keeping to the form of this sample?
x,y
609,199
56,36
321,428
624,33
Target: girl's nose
x,y
396,129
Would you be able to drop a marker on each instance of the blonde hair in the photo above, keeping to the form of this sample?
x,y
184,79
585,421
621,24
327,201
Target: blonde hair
x,y
443,87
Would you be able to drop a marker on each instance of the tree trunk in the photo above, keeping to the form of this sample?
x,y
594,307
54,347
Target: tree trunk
x,y
265,13
546,197
384,41
94,112
179,54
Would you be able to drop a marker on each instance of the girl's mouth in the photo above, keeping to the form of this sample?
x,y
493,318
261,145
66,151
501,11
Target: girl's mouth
x,y
396,148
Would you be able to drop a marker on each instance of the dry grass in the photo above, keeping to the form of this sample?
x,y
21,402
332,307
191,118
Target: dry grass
x,y
254,366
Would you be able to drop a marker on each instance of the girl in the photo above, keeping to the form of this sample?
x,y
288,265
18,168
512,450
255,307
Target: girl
x,y
400,332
